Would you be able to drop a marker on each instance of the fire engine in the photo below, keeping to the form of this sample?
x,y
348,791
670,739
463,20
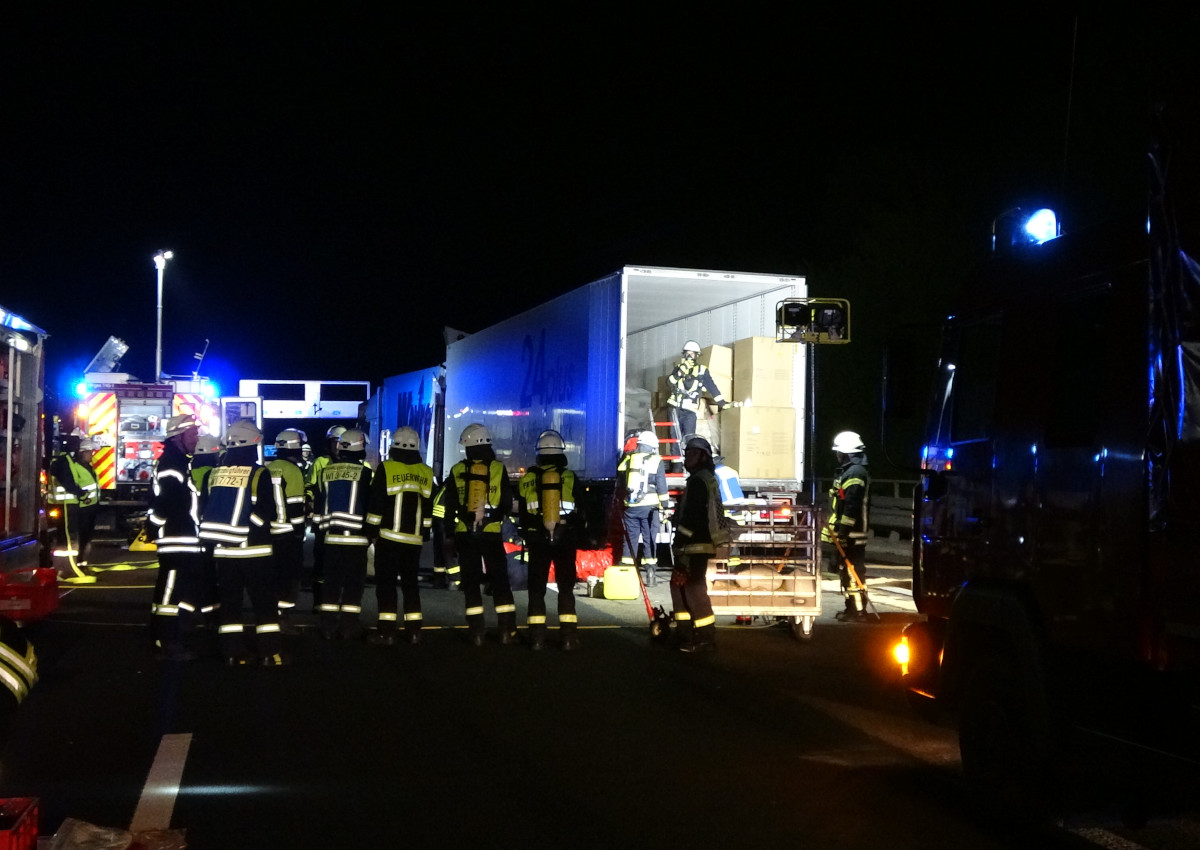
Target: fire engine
x,y
128,417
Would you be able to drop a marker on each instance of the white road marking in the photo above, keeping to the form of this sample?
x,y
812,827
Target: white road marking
x,y
157,802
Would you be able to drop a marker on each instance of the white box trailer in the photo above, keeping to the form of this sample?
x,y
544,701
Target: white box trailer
x,y
580,362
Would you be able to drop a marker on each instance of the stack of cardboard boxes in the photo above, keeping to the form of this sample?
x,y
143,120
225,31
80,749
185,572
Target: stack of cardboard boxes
x,y
759,441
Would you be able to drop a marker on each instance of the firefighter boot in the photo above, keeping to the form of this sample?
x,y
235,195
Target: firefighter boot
x,y
385,632
570,636
651,575
683,634
705,640
412,627
329,617
537,636
475,628
506,626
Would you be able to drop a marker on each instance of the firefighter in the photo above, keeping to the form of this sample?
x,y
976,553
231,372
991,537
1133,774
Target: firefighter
x,y
699,529
478,495
239,507
204,458
343,486
546,498
399,518
313,510
174,512
75,489
689,381
849,500
644,495
288,528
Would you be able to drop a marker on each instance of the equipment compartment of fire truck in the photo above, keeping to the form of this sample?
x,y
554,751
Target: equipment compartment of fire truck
x,y
772,570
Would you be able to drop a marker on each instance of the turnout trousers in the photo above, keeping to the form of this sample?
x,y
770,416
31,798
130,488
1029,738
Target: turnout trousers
x,y
694,618
641,524
543,553
289,559
175,593
397,560
477,552
238,577
342,592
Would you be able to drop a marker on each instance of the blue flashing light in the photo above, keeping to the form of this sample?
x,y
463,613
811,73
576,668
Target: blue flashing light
x,y
209,389
81,389
1042,226
950,453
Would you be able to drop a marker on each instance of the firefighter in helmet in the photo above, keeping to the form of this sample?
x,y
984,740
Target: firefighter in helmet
x,y
75,489
288,528
175,513
314,510
698,533
849,501
546,498
644,495
239,507
342,490
689,380
478,496
399,517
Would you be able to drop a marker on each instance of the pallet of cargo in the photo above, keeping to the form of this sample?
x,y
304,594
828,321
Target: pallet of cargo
x,y
771,570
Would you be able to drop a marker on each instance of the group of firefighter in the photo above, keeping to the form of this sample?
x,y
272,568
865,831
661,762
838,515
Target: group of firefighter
x,y
229,528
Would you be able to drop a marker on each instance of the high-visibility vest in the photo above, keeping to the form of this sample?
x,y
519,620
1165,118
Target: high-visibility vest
x,y
487,477
289,496
548,492
639,470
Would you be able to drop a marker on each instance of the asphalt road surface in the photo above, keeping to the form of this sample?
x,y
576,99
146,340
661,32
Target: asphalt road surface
x,y
625,743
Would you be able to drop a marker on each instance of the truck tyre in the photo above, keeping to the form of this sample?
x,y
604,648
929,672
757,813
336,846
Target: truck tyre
x,y
1005,757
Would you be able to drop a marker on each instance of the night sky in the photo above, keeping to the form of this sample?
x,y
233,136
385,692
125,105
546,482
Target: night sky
x,y
339,184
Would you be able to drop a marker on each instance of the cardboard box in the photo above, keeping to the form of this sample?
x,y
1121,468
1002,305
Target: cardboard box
x,y
762,371
760,442
718,359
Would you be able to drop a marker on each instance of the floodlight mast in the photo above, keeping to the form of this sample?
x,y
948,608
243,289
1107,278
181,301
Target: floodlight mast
x,y
160,263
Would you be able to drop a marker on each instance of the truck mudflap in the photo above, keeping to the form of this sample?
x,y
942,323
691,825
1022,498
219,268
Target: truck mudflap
x,y
771,570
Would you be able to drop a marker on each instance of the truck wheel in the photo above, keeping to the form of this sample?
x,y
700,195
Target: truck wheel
x,y
1004,757
802,628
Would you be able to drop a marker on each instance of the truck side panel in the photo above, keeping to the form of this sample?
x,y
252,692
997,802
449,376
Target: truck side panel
x,y
556,366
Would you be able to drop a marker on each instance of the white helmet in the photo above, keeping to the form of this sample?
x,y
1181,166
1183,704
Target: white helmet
x,y
691,346
335,432
206,444
695,441
848,443
352,440
181,422
551,443
648,438
87,444
475,435
406,438
290,438
243,433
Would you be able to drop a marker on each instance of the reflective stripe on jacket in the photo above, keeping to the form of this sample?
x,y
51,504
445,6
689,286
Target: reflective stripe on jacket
x,y
401,495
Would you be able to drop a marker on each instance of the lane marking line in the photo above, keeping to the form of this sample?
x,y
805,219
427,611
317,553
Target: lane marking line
x,y
157,802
